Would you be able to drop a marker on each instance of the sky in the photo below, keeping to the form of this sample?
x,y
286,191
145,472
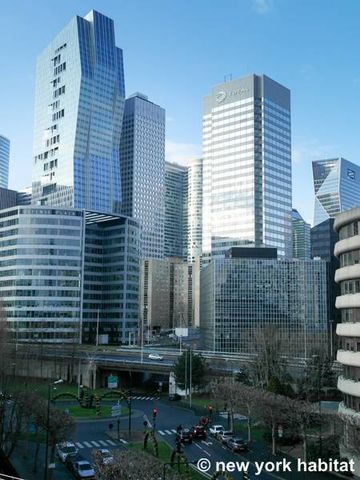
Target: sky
x,y
175,51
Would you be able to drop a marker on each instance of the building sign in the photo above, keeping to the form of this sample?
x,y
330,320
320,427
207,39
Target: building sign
x,y
221,95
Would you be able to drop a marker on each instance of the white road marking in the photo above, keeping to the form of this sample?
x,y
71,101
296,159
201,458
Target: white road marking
x,y
80,445
111,442
168,432
173,430
104,444
123,441
161,432
87,444
203,449
95,443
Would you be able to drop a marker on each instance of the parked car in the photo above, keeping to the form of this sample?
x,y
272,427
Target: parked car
x,y
237,444
155,356
105,456
225,435
199,431
215,429
65,449
80,468
186,435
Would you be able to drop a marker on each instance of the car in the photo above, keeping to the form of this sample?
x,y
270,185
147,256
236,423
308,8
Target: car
x,y
65,449
186,435
237,444
155,356
199,431
215,429
104,455
80,467
225,435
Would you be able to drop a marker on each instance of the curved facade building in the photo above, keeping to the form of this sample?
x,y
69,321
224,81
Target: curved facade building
x,y
4,161
347,249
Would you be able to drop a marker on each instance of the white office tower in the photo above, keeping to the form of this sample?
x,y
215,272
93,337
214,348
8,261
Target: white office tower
x,y
247,166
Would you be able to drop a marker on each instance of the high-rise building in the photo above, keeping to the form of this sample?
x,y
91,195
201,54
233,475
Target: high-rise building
x,y
347,249
323,240
337,187
176,206
194,209
142,158
168,294
79,104
69,274
247,195
4,161
11,198
301,247
244,294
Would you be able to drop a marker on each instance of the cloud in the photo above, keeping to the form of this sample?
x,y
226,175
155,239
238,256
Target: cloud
x,y
308,149
262,7
181,153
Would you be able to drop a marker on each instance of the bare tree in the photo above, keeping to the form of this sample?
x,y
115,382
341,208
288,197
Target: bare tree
x,y
130,465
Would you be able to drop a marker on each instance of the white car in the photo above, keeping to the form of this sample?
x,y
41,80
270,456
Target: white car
x,y
155,356
83,469
215,429
106,456
65,449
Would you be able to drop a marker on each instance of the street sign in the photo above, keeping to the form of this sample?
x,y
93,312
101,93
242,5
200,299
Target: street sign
x,y
116,410
112,381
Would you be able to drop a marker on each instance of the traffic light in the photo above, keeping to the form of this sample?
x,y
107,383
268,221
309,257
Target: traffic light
x,y
155,412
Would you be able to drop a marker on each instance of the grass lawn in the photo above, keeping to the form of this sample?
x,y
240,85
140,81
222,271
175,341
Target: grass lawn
x,y
77,411
164,456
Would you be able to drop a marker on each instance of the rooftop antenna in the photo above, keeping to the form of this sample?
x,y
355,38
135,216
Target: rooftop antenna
x,y
227,77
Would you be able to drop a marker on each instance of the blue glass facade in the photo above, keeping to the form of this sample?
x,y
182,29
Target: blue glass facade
x,y
142,159
4,161
79,106
337,187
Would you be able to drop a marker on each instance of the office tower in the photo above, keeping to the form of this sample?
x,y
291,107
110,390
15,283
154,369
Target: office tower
x,y
195,184
167,294
69,274
323,240
4,161
337,187
142,158
79,104
301,247
347,249
247,166
176,206
252,290
11,198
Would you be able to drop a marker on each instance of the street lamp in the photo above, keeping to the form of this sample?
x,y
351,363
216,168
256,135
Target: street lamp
x,y
46,466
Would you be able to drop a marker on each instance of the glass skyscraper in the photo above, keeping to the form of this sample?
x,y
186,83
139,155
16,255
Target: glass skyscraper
x,y
79,104
337,187
247,194
4,161
300,236
175,227
142,158
195,183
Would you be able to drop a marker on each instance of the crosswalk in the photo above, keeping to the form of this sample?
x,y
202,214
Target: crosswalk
x,y
99,443
166,432
145,398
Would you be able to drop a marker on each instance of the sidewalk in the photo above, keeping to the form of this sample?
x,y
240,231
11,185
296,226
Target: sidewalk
x,y
23,461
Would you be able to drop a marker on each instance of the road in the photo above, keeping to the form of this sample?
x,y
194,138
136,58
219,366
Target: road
x,y
93,434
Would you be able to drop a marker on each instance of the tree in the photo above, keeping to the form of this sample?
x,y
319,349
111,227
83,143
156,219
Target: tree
x,y
182,369
129,465
318,374
270,361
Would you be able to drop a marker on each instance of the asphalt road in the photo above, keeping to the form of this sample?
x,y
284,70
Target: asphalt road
x,y
93,434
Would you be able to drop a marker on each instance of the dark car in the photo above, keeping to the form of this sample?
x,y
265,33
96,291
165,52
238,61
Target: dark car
x,y
186,435
199,431
237,444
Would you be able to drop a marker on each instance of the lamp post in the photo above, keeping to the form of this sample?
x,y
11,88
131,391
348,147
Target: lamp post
x,y
46,466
